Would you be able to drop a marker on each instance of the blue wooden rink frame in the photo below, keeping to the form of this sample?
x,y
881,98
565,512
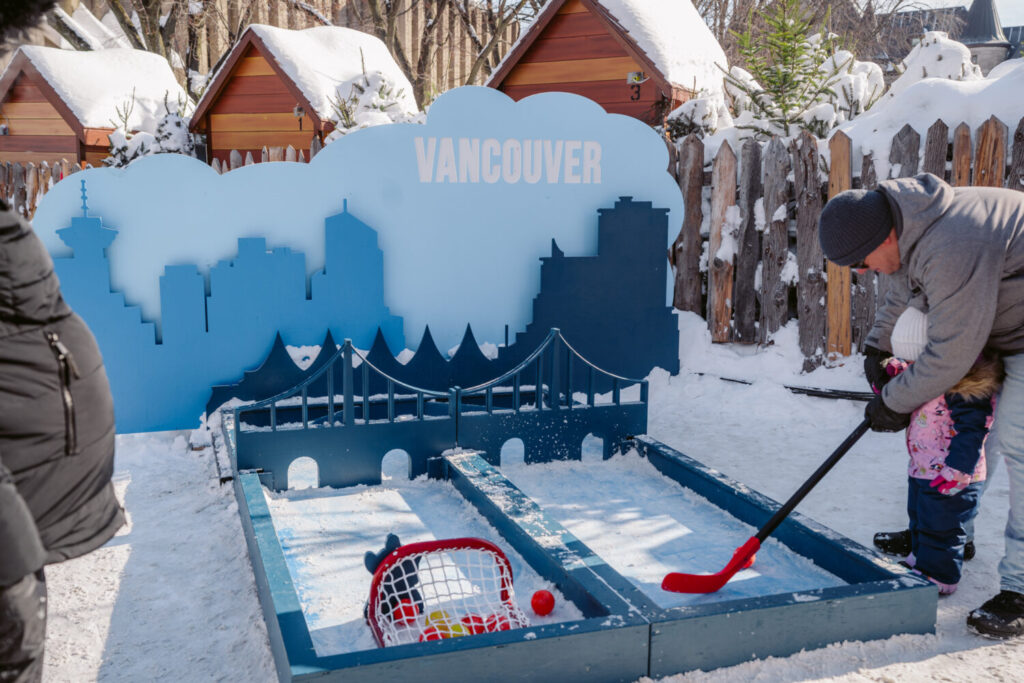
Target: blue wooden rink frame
x,y
624,635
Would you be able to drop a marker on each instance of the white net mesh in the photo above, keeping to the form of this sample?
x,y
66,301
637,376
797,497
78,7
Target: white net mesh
x,y
447,593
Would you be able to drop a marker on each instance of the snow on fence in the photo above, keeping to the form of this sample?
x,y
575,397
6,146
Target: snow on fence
x,y
764,264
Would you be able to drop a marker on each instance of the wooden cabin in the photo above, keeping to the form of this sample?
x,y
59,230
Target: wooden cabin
x,y
277,87
643,61
58,104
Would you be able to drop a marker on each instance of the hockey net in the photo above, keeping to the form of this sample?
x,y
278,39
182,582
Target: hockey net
x,y
442,589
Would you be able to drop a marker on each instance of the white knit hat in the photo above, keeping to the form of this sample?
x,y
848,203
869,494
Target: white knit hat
x,y
910,334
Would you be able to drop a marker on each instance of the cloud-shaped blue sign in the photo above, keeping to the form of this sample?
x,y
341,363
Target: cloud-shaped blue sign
x,y
464,205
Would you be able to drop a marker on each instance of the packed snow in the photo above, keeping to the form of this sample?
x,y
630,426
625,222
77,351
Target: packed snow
x,y
173,596
326,558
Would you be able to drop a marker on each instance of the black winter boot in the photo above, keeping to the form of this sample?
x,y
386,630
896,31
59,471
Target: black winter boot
x,y
893,542
1000,617
898,543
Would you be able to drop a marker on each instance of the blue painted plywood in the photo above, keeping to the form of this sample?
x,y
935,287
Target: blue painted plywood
x,y
183,295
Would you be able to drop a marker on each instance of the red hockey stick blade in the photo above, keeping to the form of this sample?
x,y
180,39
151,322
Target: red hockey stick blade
x,y
677,582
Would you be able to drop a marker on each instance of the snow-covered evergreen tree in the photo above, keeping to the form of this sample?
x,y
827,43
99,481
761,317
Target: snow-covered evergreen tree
x,y
797,80
370,99
171,135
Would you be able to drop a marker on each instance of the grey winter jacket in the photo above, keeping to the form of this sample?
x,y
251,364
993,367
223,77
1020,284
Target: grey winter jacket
x,y
56,417
962,262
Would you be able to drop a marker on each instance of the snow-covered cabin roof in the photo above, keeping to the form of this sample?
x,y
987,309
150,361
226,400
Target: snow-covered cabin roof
x,y
94,85
669,36
316,60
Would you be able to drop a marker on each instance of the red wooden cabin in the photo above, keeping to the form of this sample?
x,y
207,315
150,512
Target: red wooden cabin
x,y
276,86
62,104
618,60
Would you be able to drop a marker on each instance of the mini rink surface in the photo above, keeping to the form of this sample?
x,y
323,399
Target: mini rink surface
x,y
325,533
644,525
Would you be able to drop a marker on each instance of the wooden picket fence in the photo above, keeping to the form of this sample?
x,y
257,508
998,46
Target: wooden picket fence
x,y
23,185
289,153
743,305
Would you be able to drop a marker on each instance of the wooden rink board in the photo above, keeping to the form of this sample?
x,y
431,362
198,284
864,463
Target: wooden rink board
x,y
624,635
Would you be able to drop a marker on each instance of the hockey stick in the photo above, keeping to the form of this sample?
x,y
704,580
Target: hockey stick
x,y
677,582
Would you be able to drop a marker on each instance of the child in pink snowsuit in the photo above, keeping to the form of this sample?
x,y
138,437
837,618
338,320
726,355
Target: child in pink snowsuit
x,y
945,440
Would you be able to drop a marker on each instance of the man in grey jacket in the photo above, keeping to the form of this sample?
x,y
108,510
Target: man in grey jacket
x,y
958,255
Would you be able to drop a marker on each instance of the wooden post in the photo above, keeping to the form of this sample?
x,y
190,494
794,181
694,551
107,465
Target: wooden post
x,y
960,175
264,155
215,164
1015,179
775,252
990,157
315,145
31,186
868,176
289,154
840,178
277,153
235,159
936,144
249,161
809,259
686,248
744,293
722,243
904,154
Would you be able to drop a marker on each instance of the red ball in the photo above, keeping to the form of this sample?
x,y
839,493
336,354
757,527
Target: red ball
x,y
474,623
542,602
433,633
497,622
405,614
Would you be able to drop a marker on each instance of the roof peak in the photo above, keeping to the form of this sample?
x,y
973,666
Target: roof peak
x,y
983,25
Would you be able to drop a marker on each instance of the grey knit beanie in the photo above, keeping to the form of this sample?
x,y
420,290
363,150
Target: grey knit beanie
x,y
853,224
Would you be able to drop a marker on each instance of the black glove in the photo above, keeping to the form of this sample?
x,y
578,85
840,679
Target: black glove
x,y
883,419
873,369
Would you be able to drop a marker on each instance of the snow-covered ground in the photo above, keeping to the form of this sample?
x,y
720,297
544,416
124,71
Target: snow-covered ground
x,y
172,596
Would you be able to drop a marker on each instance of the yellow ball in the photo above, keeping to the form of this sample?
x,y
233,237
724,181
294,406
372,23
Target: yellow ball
x,y
456,630
438,618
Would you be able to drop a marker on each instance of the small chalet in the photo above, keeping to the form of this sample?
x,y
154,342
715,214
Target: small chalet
x,y
279,87
642,58
58,104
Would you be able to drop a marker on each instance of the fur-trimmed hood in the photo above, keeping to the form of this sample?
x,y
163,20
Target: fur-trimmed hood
x,y
984,378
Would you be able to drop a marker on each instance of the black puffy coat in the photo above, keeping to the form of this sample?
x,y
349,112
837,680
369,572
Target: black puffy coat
x,y
56,417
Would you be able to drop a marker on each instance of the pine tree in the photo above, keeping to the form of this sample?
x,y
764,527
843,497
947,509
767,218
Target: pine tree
x,y
784,81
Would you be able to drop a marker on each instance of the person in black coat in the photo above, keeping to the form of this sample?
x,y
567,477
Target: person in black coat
x,y
56,431
56,443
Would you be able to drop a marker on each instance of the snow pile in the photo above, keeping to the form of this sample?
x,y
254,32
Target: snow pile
x,y
972,100
936,56
94,85
323,59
